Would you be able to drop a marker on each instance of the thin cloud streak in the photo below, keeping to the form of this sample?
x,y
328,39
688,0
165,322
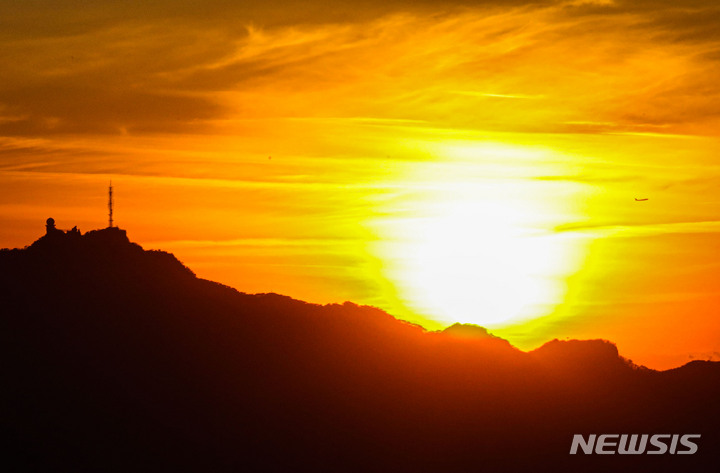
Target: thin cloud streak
x,y
641,229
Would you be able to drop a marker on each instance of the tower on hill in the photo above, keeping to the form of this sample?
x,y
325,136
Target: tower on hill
x,y
110,206
114,233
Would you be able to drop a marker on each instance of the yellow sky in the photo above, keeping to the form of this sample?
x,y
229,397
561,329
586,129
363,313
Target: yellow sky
x,y
476,161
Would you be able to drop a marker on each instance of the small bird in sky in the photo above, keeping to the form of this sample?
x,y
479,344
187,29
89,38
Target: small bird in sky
x,y
640,200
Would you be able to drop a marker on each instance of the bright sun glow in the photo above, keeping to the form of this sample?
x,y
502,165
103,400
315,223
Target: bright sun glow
x,y
469,246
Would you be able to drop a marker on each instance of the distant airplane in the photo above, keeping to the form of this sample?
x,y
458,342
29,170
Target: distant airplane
x,y
640,200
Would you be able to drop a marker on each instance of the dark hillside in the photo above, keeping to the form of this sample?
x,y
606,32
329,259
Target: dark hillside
x,y
120,359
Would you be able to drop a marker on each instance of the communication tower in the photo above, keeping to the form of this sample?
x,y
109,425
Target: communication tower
x,y
110,206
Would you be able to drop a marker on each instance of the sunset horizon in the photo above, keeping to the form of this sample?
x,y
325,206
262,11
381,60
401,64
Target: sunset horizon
x,y
546,170
429,324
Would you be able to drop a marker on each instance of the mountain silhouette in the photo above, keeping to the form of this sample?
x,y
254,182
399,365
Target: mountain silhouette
x,y
119,359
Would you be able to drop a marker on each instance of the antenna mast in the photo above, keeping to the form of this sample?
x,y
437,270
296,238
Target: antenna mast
x,y
110,206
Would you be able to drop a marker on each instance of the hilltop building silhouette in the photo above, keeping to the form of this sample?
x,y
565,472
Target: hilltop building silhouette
x,y
50,226
55,236
111,233
51,229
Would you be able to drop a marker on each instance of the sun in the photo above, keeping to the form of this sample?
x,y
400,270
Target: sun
x,y
465,247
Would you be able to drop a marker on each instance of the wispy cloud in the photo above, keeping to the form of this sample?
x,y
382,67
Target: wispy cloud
x,y
497,96
641,229
115,74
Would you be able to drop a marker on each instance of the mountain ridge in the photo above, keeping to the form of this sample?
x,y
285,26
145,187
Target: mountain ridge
x,y
119,349
112,239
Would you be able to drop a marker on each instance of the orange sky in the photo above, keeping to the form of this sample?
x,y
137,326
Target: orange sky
x,y
475,162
